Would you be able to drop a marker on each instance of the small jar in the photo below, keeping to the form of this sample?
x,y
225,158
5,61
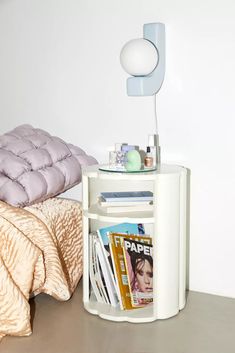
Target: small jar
x,y
148,161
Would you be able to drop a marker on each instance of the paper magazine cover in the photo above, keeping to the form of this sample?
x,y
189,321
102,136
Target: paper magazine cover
x,y
124,228
119,264
139,264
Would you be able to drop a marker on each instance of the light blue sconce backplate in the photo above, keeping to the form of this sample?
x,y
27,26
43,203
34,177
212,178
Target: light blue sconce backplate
x,y
150,84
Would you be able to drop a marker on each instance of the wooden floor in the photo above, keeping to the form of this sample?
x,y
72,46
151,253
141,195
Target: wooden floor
x,y
206,325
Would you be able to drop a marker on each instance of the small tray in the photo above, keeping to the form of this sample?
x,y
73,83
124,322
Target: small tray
x,y
107,168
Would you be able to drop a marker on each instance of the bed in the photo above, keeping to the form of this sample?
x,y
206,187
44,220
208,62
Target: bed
x,y
40,234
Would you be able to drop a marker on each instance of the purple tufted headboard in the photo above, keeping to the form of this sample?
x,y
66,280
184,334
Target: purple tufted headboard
x,y
35,166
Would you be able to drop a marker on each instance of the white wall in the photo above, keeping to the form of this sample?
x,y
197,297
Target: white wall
x,y
59,70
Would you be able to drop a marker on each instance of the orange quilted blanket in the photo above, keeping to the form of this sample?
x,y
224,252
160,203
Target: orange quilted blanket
x,y
40,251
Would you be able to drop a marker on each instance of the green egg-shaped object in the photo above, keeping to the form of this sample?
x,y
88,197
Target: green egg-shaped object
x,y
133,161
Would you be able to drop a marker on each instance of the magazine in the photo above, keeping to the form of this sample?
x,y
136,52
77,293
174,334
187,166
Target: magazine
x,y
139,264
127,196
93,273
124,228
103,203
106,277
119,264
96,276
122,209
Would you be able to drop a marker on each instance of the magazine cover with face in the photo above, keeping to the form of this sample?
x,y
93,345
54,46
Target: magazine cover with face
x,y
123,228
116,249
139,264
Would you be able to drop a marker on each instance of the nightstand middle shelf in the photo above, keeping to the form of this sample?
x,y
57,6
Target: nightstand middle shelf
x,y
95,212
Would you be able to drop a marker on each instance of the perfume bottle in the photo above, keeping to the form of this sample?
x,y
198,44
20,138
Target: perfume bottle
x,y
148,161
120,156
153,143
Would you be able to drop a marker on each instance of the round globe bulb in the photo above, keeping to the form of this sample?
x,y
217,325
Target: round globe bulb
x,y
139,57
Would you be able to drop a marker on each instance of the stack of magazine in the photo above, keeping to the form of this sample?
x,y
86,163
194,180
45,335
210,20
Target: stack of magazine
x,y
121,266
132,201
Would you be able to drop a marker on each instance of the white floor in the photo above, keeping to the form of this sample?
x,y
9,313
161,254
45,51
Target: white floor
x,y
206,325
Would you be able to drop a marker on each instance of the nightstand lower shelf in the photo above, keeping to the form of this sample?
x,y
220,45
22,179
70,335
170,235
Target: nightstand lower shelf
x,y
108,312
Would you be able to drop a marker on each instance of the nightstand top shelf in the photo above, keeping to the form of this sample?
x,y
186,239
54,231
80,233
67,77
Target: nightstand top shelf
x,y
162,169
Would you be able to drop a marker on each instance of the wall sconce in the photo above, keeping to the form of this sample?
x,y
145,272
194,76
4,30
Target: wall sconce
x,y
144,59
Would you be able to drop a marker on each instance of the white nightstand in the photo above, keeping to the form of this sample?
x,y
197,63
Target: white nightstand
x,y
166,224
